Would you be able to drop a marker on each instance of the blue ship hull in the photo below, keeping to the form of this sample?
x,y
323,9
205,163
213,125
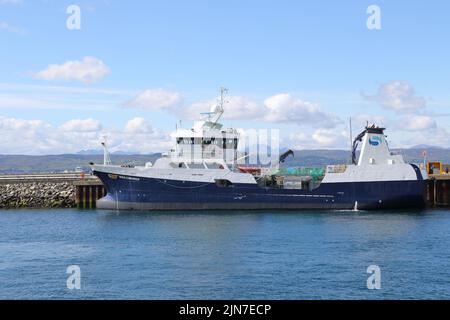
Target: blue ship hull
x,y
154,194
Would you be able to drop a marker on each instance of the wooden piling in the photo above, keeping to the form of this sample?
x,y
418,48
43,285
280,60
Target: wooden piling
x,y
88,192
437,193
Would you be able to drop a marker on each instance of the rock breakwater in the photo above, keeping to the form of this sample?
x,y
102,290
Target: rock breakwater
x,y
37,195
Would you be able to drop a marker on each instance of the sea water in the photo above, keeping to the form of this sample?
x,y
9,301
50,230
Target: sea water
x,y
224,254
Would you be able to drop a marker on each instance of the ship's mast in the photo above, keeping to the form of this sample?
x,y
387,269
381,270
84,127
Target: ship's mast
x,y
219,110
106,157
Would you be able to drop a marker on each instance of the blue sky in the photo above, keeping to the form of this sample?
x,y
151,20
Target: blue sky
x,y
303,67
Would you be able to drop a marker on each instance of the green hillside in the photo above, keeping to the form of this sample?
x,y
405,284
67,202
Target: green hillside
x,y
308,158
60,163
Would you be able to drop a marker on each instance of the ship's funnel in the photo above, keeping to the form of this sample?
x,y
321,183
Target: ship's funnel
x,y
375,149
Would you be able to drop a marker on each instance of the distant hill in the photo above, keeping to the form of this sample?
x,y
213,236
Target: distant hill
x,y
425,146
61,163
310,158
318,158
126,153
434,153
90,152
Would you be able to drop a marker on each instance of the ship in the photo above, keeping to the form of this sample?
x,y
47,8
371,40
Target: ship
x,y
203,171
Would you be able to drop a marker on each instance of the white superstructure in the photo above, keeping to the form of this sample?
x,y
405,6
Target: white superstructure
x,y
375,163
207,140
207,152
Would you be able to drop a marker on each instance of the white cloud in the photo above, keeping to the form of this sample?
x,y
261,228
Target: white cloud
x,y
326,137
417,123
320,138
242,108
361,120
138,125
88,71
237,108
399,96
11,124
299,140
283,108
21,136
437,136
139,135
330,138
81,125
156,99
156,141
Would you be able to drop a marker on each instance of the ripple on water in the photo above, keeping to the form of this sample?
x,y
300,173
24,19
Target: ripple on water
x,y
224,255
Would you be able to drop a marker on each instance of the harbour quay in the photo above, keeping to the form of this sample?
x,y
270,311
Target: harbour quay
x,y
70,190
438,191
49,190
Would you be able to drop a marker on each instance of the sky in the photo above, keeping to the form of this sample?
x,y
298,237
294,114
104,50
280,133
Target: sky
x,y
133,69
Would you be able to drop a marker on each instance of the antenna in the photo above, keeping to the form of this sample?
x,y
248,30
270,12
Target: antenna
x,y
106,157
223,92
215,115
